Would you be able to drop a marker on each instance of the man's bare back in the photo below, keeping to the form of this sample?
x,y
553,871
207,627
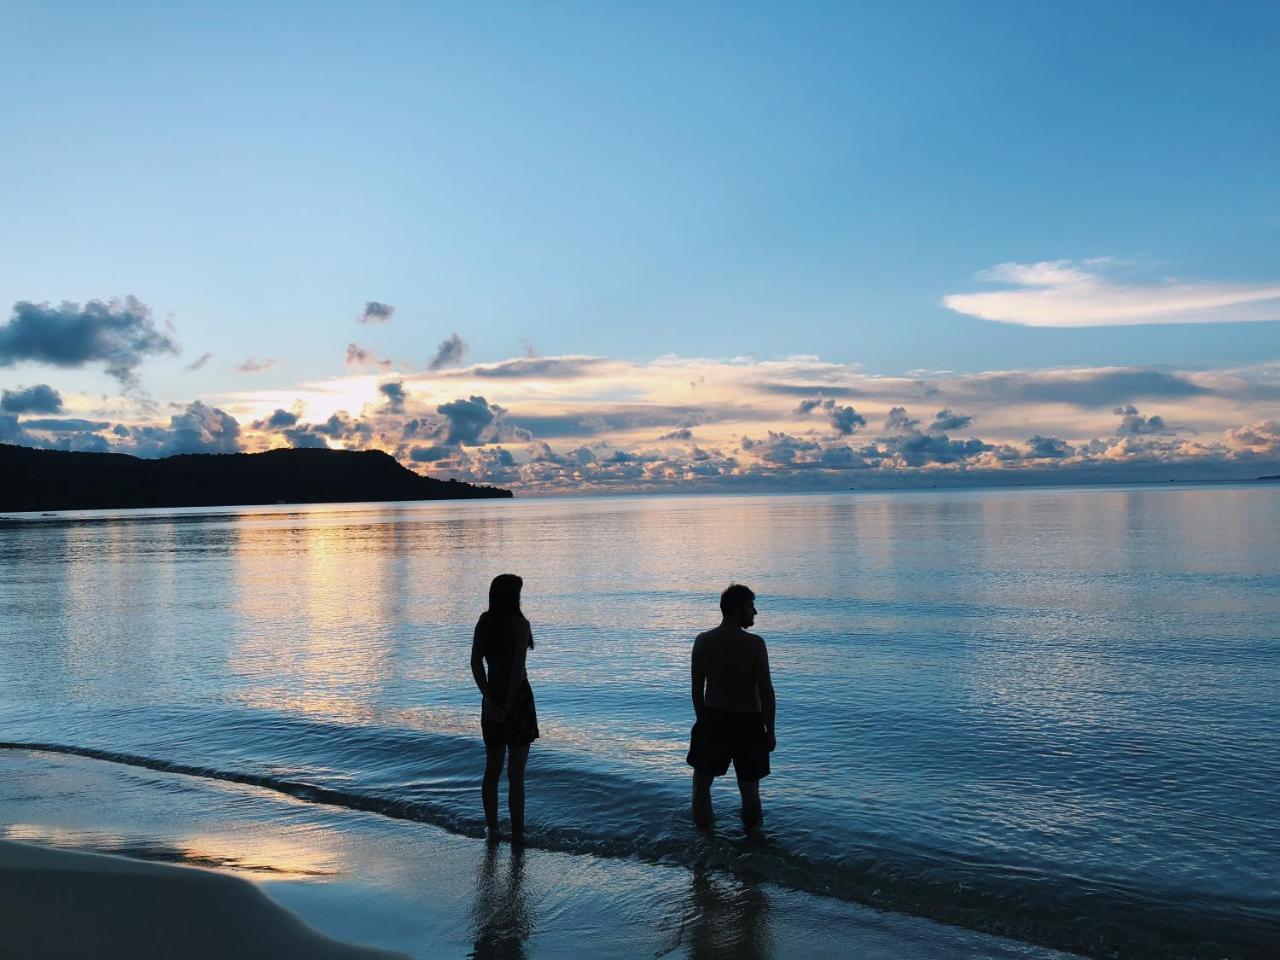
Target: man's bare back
x,y
735,664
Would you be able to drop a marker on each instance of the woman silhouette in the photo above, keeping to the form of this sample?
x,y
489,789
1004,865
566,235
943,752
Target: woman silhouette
x,y
508,719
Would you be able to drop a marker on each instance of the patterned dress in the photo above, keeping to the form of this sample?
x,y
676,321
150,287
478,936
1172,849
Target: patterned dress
x,y
520,727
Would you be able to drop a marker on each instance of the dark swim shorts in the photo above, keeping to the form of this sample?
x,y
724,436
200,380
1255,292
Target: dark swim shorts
x,y
722,737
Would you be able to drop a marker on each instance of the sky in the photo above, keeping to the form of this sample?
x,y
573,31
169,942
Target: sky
x,y
620,246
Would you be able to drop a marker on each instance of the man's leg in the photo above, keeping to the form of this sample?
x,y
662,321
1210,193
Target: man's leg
x,y
752,812
702,815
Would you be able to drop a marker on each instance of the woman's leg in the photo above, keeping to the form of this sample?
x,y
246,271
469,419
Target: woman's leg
x,y
493,756
516,760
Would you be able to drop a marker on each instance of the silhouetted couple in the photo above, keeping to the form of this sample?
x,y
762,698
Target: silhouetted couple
x,y
733,703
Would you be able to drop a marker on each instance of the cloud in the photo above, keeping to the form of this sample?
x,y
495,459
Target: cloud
x,y
41,398
358,356
475,421
65,425
120,335
1105,387
1133,424
844,420
1067,293
684,433
923,449
898,421
278,420
199,361
199,428
449,353
11,431
947,419
432,454
375,312
547,368
396,395
254,365
1262,437
1047,448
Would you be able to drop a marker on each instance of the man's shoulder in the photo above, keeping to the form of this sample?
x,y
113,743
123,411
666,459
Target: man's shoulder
x,y
705,635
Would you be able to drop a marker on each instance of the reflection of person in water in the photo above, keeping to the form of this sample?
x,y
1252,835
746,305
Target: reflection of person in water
x,y
508,718
735,708
725,917
500,915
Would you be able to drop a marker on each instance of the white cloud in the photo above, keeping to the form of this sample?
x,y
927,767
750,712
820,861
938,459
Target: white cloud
x,y
1067,293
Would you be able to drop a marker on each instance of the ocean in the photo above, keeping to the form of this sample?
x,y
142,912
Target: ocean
x,y
1049,715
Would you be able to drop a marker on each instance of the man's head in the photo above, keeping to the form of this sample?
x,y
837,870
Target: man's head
x,y
738,605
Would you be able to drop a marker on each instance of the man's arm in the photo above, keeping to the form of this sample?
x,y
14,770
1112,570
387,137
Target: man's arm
x,y
768,703
699,676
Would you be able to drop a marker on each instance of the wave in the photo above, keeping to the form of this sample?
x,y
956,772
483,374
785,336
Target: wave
x,y
1083,915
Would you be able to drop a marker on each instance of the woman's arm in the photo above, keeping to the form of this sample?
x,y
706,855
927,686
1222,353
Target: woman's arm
x,y
477,663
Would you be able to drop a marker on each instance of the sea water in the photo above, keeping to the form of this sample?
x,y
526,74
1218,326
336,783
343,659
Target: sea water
x,y
1051,714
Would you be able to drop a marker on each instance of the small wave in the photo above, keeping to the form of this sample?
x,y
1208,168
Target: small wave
x,y
1094,918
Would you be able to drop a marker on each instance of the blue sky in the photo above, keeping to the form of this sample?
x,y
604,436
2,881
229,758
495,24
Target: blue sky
x,y
636,180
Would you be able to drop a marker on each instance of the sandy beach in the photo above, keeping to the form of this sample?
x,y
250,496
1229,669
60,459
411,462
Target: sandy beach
x,y
62,905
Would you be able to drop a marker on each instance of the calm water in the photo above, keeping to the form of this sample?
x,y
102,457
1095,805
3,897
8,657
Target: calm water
x,y
1051,714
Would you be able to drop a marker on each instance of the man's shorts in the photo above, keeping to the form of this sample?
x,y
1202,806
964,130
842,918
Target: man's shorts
x,y
722,737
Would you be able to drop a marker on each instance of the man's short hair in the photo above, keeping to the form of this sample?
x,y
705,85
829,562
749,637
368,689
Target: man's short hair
x,y
736,595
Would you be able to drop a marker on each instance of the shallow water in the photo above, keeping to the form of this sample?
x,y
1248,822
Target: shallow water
x,y
1049,714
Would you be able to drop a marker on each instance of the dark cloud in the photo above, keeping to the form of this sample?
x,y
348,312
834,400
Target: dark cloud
x,y
11,431
923,449
846,420
68,425
254,365
277,421
432,454
898,421
684,433
782,449
302,438
810,404
947,420
41,398
1134,424
1089,389
341,426
1048,448
120,335
197,429
809,390
547,368
474,422
375,312
629,417
199,361
396,395
358,356
449,353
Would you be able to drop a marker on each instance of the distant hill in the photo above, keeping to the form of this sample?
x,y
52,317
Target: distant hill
x,y
59,480
1274,476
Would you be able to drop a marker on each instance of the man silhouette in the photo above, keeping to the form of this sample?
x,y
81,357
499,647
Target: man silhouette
x,y
735,708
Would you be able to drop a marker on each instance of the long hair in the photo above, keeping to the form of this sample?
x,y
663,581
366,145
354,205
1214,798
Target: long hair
x,y
504,603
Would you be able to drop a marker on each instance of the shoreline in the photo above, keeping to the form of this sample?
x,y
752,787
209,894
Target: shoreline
x,y
421,891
